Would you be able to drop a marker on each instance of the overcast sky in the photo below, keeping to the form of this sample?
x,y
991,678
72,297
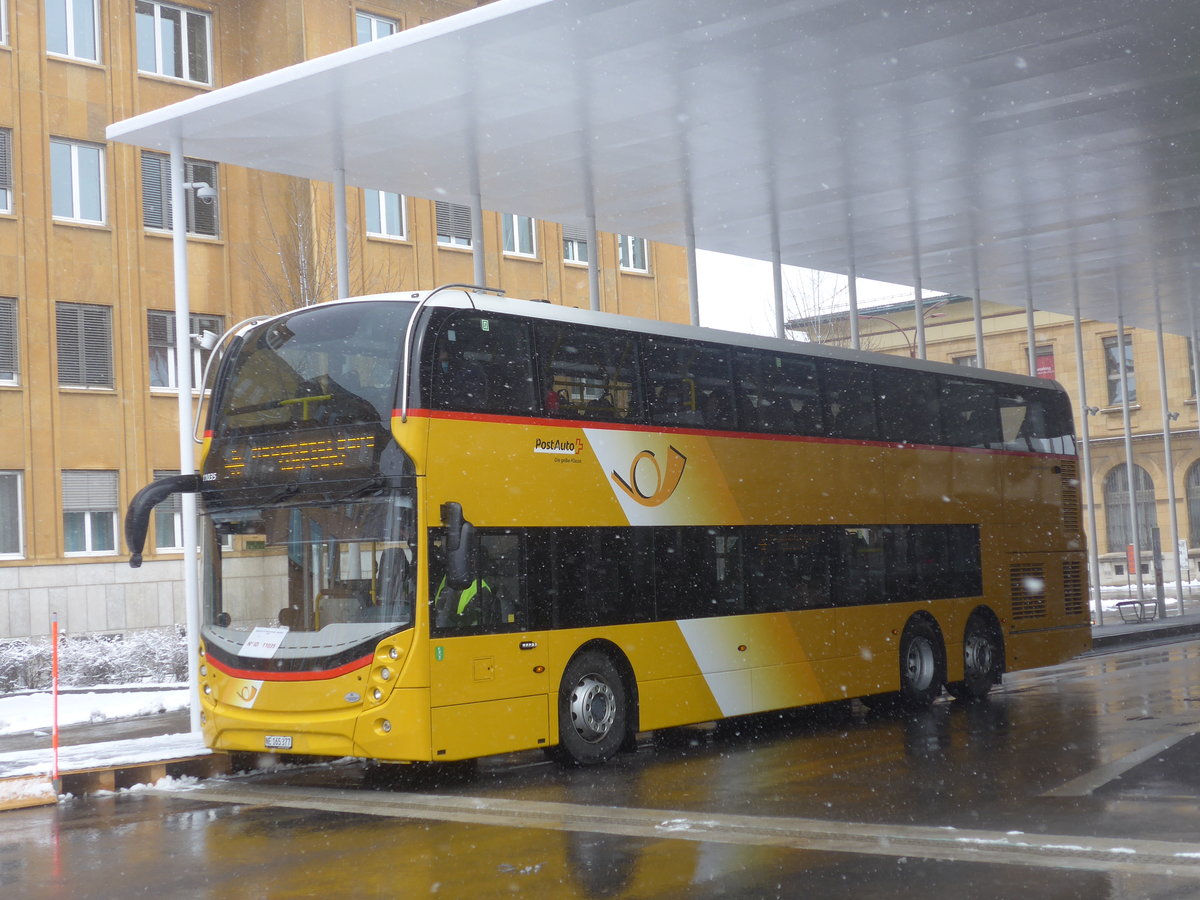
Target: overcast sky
x,y
738,294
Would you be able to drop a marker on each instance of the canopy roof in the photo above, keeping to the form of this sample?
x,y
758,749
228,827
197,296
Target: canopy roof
x,y
1014,147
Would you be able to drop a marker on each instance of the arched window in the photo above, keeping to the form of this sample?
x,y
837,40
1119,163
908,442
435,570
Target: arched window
x,y
1116,508
1193,504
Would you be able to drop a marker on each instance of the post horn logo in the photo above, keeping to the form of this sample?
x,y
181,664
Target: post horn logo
x,y
663,485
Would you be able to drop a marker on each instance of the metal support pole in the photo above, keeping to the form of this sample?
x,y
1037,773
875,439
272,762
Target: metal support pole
x,y
919,312
187,457
593,242
341,233
977,315
777,279
1030,333
1123,371
1168,460
852,296
477,238
693,285
1089,493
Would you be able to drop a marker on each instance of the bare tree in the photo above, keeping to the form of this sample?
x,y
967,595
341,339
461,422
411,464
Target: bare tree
x,y
297,257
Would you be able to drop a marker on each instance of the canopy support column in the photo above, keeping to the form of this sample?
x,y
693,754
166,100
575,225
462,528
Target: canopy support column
x,y
1123,371
852,296
693,286
1089,494
187,456
977,315
341,233
1168,460
593,242
777,287
480,274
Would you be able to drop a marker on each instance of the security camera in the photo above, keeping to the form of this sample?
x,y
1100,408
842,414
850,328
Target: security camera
x,y
206,193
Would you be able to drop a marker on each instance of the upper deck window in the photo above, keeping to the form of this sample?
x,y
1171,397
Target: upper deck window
x,y
325,365
484,363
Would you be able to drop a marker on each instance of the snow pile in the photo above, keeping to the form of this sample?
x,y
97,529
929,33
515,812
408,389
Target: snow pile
x,y
34,712
85,660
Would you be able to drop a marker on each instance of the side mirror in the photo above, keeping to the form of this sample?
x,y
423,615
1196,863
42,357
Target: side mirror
x,y
137,517
460,537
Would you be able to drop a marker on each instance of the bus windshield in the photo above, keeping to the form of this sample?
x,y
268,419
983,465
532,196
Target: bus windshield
x,y
326,366
335,576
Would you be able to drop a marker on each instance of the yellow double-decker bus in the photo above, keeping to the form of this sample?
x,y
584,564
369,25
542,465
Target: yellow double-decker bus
x,y
445,525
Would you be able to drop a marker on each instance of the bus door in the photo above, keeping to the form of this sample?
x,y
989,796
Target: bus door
x,y
489,688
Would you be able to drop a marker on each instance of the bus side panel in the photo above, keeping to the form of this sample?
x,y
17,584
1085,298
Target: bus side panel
x,y
484,728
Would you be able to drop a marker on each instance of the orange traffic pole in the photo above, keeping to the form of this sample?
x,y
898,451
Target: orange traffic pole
x,y
54,692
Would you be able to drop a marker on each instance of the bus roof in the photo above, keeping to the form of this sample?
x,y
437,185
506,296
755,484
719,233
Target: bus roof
x,y
551,312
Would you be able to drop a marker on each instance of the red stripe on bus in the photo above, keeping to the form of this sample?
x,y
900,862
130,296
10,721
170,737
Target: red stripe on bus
x,y
458,416
319,675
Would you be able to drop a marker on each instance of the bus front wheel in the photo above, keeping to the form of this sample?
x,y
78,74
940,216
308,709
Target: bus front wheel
x,y
593,711
922,664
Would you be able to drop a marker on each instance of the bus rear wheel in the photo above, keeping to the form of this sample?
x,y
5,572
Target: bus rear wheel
x,y
593,711
922,665
981,661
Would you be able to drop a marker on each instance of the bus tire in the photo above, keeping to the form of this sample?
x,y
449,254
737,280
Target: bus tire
x,y
593,711
982,660
922,664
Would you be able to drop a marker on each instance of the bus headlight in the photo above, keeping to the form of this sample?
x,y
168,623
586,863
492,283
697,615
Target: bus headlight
x,y
385,673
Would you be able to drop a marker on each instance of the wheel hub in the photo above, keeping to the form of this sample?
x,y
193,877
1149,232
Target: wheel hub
x,y
593,708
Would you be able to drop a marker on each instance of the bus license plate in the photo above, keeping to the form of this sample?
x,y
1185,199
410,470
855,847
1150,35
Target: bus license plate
x,y
279,742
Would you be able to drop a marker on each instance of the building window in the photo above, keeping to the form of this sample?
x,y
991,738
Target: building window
x,y
9,356
1116,508
6,185
12,526
203,218
1112,369
89,512
575,245
161,328
71,29
453,224
372,28
633,253
3,21
519,235
385,214
84,337
77,181
174,41
971,361
168,518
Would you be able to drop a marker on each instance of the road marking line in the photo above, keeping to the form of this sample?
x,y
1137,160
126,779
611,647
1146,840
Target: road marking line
x,y
950,844
1091,781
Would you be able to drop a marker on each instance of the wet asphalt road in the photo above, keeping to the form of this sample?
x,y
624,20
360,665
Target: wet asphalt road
x,y
1080,781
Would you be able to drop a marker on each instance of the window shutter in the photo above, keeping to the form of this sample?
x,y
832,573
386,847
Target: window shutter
x,y
87,491
97,346
161,328
202,217
5,159
155,189
574,233
8,337
174,502
453,220
69,345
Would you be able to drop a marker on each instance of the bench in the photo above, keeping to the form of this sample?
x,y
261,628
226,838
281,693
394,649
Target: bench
x,y
1135,611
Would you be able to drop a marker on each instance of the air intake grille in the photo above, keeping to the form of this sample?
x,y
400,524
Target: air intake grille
x,y
1071,504
1028,591
1074,602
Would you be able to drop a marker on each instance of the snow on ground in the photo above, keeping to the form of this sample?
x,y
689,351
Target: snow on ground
x,y
35,712
95,756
